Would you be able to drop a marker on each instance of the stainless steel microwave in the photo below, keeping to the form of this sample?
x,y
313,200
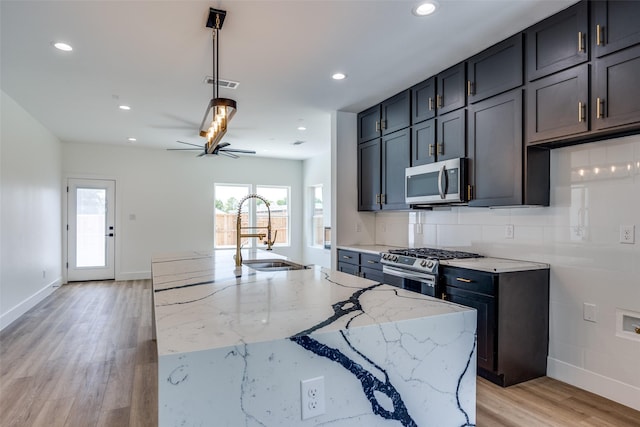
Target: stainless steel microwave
x,y
436,183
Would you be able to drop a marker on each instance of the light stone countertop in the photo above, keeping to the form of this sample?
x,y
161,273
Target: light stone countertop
x,y
202,301
495,265
370,249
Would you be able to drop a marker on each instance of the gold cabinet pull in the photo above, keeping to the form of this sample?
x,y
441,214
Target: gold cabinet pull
x,y
441,148
383,199
371,262
469,84
599,114
383,124
444,296
346,257
439,101
580,111
580,42
377,199
377,126
461,279
431,149
430,104
599,41
469,191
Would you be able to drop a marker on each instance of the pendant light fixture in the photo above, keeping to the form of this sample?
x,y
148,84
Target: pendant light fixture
x,y
220,110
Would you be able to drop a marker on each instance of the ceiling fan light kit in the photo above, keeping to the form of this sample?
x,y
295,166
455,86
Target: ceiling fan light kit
x,y
220,110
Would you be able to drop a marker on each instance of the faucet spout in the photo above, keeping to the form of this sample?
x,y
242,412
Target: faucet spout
x,y
239,235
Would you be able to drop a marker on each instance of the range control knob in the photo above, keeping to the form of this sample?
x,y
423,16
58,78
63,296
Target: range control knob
x,y
429,263
385,256
395,258
423,263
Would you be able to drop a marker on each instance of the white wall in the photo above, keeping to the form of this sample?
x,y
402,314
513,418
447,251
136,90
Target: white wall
x,y
578,235
171,196
316,171
30,254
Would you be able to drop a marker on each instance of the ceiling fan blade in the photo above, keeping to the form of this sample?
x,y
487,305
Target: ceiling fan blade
x,y
204,153
184,149
237,150
226,153
223,144
189,143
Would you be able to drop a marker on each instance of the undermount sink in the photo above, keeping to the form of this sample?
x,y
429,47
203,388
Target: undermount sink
x,y
272,265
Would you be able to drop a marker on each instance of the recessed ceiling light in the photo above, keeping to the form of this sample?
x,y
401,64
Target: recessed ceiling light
x,y
131,139
302,128
63,46
125,107
339,76
425,8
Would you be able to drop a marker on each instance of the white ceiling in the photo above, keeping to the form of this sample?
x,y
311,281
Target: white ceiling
x,y
154,56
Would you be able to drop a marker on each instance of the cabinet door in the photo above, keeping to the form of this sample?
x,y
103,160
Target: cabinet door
x,y
423,143
370,261
557,106
451,93
369,176
423,101
616,26
495,150
349,268
348,257
452,135
396,156
372,274
369,124
396,112
486,326
496,70
616,94
558,42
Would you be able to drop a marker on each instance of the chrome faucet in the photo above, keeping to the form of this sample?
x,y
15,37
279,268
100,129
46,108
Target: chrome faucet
x,y
239,228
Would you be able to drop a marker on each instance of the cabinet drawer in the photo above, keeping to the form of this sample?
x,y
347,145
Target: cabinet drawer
x,y
370,261
349,257
475,281
371,274
349,268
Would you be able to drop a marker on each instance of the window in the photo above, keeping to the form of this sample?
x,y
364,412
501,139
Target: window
x,y
317,217
254,213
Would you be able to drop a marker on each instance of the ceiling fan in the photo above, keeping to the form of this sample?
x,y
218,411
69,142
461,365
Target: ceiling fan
x,y
221,148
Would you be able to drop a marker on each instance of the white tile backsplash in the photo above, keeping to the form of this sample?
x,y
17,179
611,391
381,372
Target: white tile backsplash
x,y
595,188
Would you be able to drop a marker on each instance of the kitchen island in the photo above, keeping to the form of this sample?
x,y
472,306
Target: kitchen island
x,y
234,345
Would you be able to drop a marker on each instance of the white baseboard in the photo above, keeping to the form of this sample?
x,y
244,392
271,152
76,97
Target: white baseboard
x,y
615,390
133,275
13,314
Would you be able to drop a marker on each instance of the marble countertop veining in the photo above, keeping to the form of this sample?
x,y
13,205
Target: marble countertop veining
x,y
202,301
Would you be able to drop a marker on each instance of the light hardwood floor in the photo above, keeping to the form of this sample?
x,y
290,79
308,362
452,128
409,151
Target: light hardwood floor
x,y
84,357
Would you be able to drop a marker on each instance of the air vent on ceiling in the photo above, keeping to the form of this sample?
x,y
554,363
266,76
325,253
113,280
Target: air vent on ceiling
x,y
229,84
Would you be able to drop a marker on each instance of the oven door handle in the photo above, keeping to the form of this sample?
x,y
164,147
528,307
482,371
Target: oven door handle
x,y
419,277
440,184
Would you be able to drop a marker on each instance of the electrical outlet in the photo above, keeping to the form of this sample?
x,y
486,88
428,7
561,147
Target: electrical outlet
x,y
627,234
508,231
312,397
589,312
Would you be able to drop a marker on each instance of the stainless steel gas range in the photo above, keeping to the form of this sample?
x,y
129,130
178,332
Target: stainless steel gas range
x,y
417,269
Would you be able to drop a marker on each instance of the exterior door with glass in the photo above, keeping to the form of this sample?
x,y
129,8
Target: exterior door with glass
x,y
90,229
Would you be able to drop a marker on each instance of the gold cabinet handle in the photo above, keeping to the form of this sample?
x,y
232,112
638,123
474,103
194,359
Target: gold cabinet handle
x,y
580,111
383,199
469,84
431,148
444,296
377,126
599,41
383,124
346,257
580,42
441,148
469,191
460,279
430,104
439,101
377,199
372,262
599,114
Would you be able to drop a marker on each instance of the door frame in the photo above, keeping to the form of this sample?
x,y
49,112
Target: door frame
x,y
64,219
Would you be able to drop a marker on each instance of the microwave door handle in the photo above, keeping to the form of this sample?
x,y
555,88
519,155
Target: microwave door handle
x,y
440,186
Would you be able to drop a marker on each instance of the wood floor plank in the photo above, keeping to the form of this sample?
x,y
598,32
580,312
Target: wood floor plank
x,y
84,357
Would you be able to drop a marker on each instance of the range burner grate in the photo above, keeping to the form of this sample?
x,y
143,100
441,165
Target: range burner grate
x,y
433,253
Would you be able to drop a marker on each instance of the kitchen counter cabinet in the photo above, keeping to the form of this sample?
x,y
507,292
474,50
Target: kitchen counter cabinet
x,y
513,320
362,264
234,345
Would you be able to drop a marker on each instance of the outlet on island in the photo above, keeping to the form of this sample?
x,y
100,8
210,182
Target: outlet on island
x,y
312,397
